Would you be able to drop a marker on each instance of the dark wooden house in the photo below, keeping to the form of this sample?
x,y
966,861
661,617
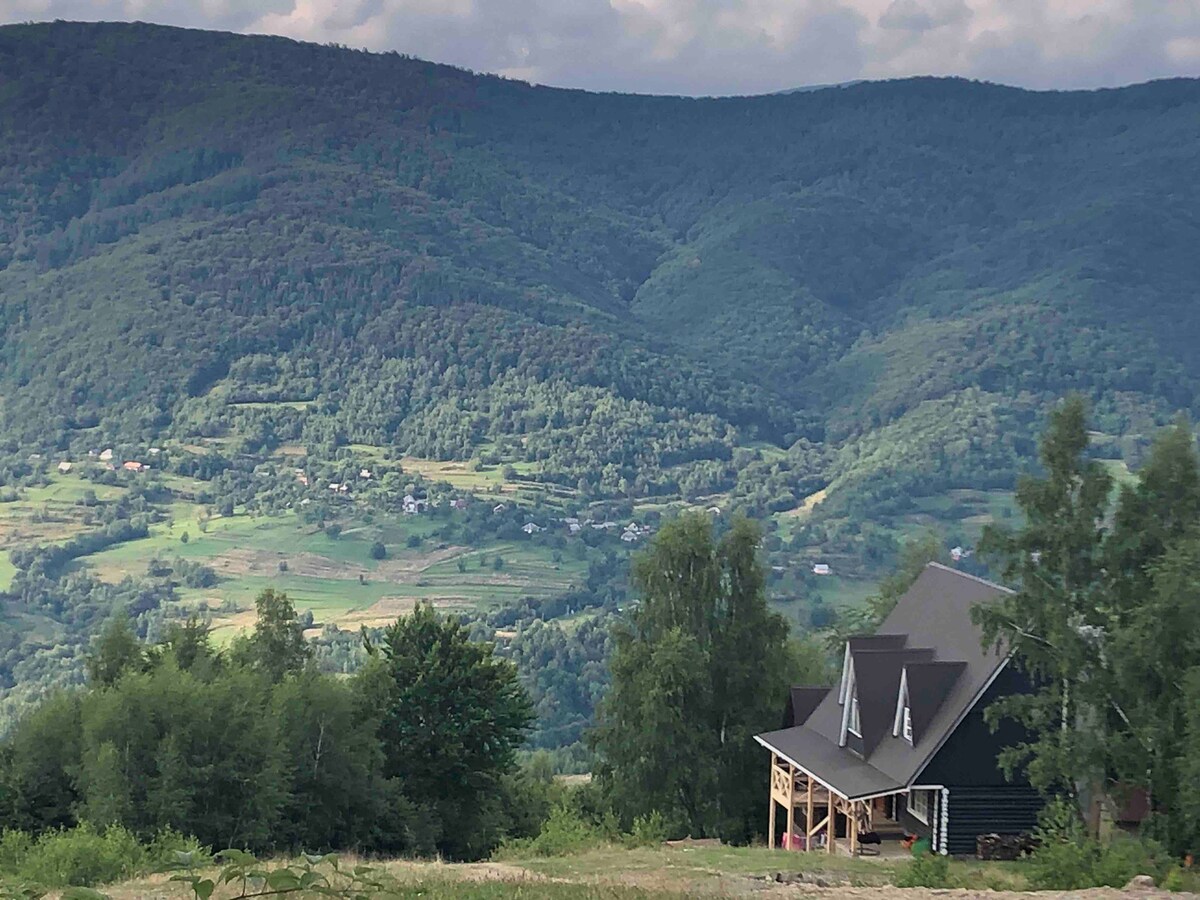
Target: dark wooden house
x,y
901,740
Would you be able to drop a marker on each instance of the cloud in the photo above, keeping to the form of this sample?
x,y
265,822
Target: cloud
x,y
717,46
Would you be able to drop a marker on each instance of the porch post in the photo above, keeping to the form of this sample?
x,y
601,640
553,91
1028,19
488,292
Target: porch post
x,y
771,800
808,818
831,826
852,827
791,810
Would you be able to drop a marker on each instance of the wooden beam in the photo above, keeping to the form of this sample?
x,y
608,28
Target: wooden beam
x,y
771,817
808,817
791,807
831,828
852,828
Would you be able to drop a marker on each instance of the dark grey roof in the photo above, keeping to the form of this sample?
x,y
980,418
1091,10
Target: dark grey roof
x,y
930,624
928,685
833,766
802,700
877,674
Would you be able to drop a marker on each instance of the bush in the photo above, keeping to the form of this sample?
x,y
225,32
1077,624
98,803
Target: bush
x,y
82,856
647,831
929,870
1067,859
563,833
378,550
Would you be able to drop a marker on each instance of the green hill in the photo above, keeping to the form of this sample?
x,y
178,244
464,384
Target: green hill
x,y
199,229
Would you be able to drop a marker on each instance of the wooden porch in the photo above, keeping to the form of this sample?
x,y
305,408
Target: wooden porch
x,y
803,797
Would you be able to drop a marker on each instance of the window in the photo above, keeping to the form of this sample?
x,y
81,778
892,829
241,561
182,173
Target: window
x,y
855,728
907,726
920,804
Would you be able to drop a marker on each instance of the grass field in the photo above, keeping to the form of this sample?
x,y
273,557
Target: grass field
x,y
696,870
7,570
337,578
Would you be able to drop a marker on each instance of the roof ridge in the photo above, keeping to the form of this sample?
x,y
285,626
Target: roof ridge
x,y
960,574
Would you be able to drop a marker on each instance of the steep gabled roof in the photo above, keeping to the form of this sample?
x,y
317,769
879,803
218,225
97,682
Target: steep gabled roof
x,y
928,684
802,700
929,636
877,681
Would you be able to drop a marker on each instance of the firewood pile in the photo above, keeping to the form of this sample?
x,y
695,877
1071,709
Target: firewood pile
x,y
1003,846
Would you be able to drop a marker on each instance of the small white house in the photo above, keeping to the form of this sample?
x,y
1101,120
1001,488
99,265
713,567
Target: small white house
x,y
498,508
531,528
106,455
64,467
714,510
629,537
821,569
364,474
574,527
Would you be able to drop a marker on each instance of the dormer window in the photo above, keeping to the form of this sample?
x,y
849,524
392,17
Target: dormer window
x,y
854,726
906,726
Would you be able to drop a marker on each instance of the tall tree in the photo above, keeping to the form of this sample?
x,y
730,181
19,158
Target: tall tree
x,y
277,645
1152,638
1056,561
452,716
699,669
115,651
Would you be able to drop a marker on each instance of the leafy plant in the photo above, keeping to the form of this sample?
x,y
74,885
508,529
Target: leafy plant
x,y
931,870
320,875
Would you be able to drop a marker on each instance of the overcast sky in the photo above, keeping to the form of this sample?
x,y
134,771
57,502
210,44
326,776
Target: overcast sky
x,y
717,46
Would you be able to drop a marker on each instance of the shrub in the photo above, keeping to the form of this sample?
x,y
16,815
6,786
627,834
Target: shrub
x,y
82,856
929,870
647,831
378,550
1068,859
564,832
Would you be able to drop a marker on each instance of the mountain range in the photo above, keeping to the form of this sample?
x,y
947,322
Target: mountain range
x,y
875,290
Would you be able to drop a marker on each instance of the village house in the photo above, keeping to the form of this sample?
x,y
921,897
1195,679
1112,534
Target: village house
x,y
900,746
458,503
364,474
822,569
412,506
574,527
64,467
106,455
531,528
133,466
498,508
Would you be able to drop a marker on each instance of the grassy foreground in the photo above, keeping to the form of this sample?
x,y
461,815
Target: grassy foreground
x,y
618,873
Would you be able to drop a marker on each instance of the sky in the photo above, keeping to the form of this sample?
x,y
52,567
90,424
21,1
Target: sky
x,y
705,47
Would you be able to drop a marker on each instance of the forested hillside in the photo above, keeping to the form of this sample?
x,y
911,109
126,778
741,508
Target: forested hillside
x,y
374,331
621,289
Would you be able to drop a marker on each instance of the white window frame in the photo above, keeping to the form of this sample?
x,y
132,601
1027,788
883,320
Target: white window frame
x,y
921,811
906,725
901,707
854,725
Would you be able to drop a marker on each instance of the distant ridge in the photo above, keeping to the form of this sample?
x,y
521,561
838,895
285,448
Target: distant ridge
x,y
874,291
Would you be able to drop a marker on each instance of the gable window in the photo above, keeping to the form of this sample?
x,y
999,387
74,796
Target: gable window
x,y
854,726
920,805
906,726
